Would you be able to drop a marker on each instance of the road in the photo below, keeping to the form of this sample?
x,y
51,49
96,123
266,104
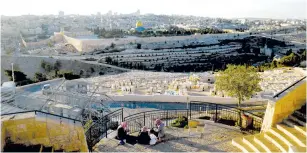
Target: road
x,y
78,58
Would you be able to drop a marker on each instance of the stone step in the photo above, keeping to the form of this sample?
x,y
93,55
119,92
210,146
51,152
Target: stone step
x,y
277,142
289,122
294,134
266,144
283,136
249,140
300,122
238,142
301,129
300,116
298,149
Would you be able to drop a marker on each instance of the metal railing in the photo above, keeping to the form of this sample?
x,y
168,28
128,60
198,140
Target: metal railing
x,y
137,121
101,128
281,92
216,112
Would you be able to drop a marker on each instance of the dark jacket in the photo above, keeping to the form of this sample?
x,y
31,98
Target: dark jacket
x,y
143,138
121,133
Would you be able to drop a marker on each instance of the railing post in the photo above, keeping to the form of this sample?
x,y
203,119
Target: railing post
x,y
122,114
215,113
144,119
106,126
167,118
190,111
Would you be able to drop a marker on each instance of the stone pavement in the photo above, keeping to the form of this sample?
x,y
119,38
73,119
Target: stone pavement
x,y
216,138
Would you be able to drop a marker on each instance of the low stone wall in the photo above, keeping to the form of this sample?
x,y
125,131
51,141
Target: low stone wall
x,y
47,130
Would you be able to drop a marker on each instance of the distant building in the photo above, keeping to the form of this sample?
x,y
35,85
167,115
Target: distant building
x,y
139,26
266,51
61,14
138,12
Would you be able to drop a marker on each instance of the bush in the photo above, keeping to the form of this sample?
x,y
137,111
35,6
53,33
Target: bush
x,y
180,122
18,75
70,76
101,73
38,77
205,117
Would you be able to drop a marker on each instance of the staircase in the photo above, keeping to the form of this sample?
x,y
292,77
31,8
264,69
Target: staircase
x,y
291,132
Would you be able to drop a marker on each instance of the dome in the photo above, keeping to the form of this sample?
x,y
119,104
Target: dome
x,y
139,24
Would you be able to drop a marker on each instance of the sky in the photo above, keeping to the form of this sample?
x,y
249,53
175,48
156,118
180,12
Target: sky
x,y
279,9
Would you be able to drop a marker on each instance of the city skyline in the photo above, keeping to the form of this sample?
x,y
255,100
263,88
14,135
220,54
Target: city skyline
x,y
276,9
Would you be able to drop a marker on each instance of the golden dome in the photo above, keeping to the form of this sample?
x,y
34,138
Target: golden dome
x,y
139,24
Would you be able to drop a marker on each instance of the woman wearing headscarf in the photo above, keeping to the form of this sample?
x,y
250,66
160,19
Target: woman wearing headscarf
x,y
122,133
143,137
160,125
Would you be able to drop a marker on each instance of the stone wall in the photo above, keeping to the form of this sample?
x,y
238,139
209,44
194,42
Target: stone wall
x,y
75,42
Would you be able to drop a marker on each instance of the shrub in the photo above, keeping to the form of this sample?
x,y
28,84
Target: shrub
x,y
38,77
180,122
205,117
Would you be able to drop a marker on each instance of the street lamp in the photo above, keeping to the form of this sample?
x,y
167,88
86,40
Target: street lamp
x,y
13,72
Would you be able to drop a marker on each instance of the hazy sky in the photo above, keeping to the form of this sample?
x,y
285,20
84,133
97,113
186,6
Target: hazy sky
x,y
207,8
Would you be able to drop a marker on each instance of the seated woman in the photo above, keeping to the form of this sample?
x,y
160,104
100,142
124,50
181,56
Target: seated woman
x,y
122,133
160,133
153,137
143,137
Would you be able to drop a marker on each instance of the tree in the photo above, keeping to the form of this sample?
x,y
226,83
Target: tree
x,y
112,45
57,65
239,81
289,52
138,46
290,60
18,75
108,60
38,77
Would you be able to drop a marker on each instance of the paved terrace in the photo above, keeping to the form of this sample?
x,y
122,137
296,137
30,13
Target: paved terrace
x,y
216,138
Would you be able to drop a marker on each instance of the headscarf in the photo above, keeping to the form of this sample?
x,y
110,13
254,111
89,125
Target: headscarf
x,y
144,129
124,125
158,121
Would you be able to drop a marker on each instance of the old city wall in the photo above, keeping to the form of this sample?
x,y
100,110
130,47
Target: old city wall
x,y
75,42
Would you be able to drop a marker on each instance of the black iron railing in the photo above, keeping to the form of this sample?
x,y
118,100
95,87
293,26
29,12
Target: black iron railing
x,y
219,113
215,112
292,85
98,129
137,121
102,127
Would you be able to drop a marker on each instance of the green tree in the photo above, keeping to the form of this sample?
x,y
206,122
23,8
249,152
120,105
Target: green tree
x,y
57,65
108,60
289,52
38,77
112,45
43,64
290,60
18,76
138,46
239,81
